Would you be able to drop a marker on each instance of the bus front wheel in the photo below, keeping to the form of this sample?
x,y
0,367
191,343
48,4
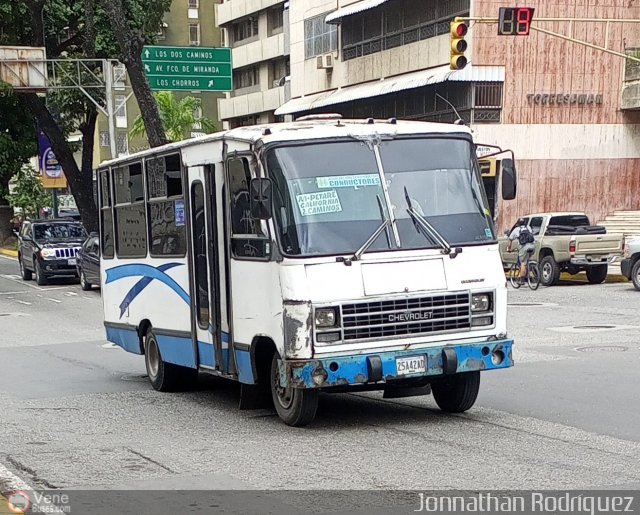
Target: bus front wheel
x,y
165,377
295,406
457,393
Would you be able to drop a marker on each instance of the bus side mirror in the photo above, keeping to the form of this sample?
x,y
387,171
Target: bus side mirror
x,y
509,179
261,199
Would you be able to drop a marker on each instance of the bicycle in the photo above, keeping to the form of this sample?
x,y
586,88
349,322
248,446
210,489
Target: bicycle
x,y
532,273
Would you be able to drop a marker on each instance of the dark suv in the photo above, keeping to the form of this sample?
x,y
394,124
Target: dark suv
x,y
48,248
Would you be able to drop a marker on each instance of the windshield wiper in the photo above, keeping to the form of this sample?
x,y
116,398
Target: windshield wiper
x,y
422,225
384,226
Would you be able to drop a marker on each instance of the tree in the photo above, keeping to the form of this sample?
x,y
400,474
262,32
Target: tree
x,y
77,29
131,38
18,143
29,196
178,117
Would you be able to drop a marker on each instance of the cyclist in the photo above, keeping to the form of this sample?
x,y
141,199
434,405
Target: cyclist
x,y
526,243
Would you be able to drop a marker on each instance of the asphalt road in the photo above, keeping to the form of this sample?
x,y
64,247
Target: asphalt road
x,y
76,413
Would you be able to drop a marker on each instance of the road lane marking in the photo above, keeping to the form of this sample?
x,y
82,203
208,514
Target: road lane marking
x,y
12,292
17,279
54,300
23,302
8,257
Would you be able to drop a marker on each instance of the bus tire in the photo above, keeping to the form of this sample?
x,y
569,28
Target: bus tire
x,y
295,406
163,376
457,393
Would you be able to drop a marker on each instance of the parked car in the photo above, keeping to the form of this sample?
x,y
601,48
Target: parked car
x,y
567,242
88,263
48,248
630,265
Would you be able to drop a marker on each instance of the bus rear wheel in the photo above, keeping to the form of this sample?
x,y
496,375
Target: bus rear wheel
x,y
295,406
165,377
457,393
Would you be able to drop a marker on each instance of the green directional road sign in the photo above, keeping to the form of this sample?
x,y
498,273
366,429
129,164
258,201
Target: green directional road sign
x,y
188,68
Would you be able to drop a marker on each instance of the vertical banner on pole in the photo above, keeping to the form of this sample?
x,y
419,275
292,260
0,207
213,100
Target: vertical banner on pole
x,y
50,169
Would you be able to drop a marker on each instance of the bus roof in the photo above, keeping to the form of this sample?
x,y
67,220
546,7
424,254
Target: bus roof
x,y
311,129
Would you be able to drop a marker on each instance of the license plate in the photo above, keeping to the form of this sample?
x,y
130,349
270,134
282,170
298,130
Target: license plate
x,y
71,262
411,365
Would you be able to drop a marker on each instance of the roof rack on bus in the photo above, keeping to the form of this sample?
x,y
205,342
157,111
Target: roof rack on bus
x,y
326,116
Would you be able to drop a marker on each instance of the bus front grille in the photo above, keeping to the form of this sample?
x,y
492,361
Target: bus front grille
x,y
407,316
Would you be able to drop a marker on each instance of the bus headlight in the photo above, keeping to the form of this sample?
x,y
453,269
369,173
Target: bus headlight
x,y
326,317
480,303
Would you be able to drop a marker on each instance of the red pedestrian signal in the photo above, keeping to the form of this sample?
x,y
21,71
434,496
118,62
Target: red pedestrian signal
x,y
515,21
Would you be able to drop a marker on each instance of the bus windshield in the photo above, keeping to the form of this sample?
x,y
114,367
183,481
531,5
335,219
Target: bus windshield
x,y
329,197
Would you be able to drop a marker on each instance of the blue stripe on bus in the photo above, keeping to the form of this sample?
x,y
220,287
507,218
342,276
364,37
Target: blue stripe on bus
x,y
126,338
148,273
179,351
140,286
176,350
207,354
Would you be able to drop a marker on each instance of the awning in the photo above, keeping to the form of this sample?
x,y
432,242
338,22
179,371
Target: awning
x,y
358,7
392,85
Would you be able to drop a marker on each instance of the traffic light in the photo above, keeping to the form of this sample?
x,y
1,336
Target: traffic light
x,y
458,44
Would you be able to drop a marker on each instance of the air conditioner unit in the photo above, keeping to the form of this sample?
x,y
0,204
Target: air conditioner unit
x,y
325,62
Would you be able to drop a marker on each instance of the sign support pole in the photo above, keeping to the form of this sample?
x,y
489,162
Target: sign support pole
x,y
107,72
54,203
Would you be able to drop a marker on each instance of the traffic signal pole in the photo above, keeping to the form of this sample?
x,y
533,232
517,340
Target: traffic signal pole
x,y
572,22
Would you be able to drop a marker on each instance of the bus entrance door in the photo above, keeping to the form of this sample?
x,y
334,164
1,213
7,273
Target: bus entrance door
x,y
204,277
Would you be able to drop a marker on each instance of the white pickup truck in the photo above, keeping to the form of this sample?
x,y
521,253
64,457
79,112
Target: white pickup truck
x,y
566,242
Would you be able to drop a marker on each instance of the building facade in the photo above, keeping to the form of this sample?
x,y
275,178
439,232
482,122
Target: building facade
x,y
189,23
257,32
565,109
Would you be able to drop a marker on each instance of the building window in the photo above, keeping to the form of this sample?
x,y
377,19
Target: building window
x,y
105,141
275,20
278,70
246,77
121,112
119,76
406,22
245,29
197,114
245,122
487,104
319,37
194,34
193,4
122,144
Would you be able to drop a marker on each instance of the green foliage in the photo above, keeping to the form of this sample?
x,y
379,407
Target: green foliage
x,y
18,138
29,196
178,117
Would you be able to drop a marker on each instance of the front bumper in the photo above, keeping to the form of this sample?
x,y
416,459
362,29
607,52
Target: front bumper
x,y
52,267
380,367
625,267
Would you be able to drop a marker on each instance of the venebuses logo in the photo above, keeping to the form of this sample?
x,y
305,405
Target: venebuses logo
x,y
18,502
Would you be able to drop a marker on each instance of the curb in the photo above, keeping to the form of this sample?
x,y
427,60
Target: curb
x,y
9,253
582,277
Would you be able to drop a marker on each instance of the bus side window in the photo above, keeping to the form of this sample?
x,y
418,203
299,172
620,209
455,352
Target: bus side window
x,y
239,180
247,237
